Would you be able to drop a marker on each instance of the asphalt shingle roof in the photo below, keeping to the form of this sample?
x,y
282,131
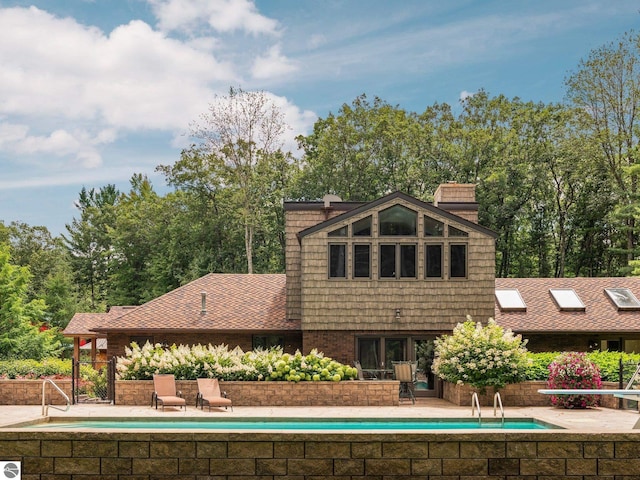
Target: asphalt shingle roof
x,y
81,324
543,315
234,302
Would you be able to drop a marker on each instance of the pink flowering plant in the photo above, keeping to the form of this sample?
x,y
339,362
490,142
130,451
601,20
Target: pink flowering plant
x,y
481,356
573,370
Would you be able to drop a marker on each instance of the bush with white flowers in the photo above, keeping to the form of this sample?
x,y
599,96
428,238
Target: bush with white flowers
x,y
198,361
481,356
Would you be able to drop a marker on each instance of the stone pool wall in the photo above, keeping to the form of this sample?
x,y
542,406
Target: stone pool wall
x,y
216,456
347,393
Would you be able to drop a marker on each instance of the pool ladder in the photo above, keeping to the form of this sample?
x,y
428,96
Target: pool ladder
x,y
45,408
497,402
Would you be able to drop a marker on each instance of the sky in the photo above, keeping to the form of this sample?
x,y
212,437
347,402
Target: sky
x,y
94,91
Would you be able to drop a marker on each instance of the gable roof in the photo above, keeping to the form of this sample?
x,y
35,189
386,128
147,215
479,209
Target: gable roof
x,y
543,315
234,302
389,199
81,324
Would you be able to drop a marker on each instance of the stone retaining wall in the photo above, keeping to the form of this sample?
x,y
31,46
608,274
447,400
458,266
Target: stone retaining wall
x,y
29,392
72,455
523,394
346,393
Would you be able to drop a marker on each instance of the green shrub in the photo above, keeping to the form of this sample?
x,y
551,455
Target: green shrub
x,y
481,356
607,362
35,369
191,362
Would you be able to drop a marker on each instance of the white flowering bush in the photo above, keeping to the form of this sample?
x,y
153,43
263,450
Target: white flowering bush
x,y
481,356
198,361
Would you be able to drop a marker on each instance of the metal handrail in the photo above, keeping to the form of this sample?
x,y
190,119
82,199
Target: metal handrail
x,y
497,401
45,408
475,401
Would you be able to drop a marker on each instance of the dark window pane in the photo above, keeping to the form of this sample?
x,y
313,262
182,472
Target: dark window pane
x,y
394,350
369,352
434,261
387,261
407,261
456,232
266,342
397,220
362,261
337,260
362,228
458,261
433,228
340,232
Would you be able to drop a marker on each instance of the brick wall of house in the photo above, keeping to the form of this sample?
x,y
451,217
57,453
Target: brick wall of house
x,y
340,346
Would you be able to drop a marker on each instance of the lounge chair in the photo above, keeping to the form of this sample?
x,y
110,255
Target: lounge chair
x,y
209,394
361,373
165,393
404,373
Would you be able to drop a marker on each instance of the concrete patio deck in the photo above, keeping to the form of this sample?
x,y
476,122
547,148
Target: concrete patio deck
x,y
589,420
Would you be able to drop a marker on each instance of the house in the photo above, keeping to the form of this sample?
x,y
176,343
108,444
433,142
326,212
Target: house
x,y
377,282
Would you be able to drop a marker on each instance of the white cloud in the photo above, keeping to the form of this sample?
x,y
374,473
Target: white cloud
x,y
224,16
465,94
317,40
271,65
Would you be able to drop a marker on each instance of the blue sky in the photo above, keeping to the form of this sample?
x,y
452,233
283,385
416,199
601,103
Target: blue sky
x,y
93,91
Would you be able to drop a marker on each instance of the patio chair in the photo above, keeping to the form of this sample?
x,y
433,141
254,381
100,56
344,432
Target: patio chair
x,y
209,394
361,373
404,373
165,393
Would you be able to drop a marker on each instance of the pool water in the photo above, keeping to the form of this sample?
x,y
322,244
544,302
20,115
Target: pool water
x,y
295,424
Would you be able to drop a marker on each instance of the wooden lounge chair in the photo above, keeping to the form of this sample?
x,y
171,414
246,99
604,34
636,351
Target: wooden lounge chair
x,y
209,394
164,387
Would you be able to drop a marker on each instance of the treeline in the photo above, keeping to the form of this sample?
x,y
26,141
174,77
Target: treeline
x,y
557,182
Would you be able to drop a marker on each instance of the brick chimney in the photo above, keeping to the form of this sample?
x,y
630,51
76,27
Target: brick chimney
x,y
457,198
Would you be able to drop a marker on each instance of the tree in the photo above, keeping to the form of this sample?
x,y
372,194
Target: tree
x,y
241,131
606,86
20,320
90,244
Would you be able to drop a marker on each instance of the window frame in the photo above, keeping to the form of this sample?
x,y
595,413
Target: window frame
x,y
354,259
345,262
466,261
426,261
398,265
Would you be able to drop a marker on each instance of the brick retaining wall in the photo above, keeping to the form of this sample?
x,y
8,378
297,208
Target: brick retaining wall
x,y
523,394
190,456
29,392
346,393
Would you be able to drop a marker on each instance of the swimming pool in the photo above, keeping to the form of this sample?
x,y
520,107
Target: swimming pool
x,y
329,425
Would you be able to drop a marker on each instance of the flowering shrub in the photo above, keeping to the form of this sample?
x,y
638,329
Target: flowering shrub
x,y
480,356
191,362
574,370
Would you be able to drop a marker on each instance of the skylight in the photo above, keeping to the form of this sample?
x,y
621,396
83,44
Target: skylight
x,y
567,299
509,299
623,298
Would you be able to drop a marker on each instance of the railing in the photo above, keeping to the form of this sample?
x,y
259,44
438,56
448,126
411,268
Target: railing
x,y
45,408
497,402
475,402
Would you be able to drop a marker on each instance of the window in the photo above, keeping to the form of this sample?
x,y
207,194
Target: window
x,y
509,300
623,298
567,299
362,261
340,232
433,256
140,340
397,220
398,261
362,228
433,228
266,342
457,260
337,260
456,232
